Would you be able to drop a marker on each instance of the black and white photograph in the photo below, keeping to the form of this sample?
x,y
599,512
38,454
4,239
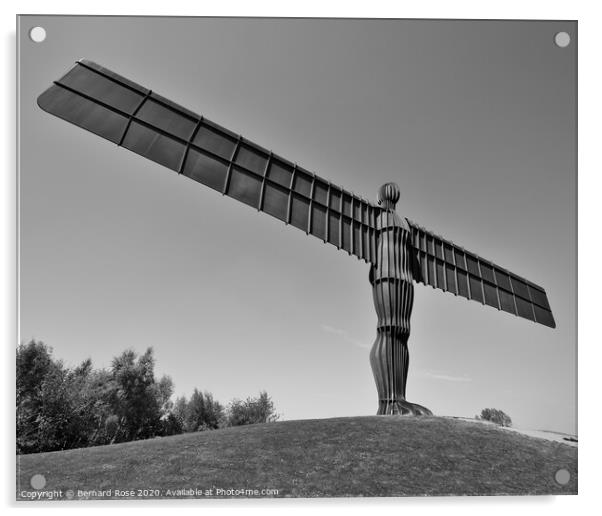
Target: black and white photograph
x,y
295,258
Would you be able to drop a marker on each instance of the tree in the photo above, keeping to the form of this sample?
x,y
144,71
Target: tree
x,y
58,407
170,424
495,416
34,362
202,412
98,395
164,391
43,405
180,411
214,412
136,403
251,411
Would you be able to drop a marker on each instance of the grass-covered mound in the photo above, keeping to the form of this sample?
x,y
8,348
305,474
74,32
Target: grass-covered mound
x,y
356,456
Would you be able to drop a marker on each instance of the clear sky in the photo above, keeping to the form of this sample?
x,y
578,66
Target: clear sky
x,y
476,122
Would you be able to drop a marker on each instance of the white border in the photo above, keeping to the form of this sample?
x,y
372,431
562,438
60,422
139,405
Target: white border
x,y
590,170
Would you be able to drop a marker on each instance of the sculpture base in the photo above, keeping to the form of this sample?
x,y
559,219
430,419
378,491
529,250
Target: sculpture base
x,y
401,408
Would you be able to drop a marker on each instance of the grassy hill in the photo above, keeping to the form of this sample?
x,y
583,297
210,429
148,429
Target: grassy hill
x,y
357,456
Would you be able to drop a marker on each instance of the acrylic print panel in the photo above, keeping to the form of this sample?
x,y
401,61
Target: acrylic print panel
x,y
195,339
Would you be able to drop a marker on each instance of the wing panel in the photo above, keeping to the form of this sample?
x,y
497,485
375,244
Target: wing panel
x,y
244,186
155,146
299,212
207,170
463,284
318,221
170,121
107,90
450,278
275,201
215,142
83,113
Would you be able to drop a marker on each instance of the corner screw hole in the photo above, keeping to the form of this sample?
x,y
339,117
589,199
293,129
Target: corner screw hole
x,y
37,34
562,39
38,481
562,477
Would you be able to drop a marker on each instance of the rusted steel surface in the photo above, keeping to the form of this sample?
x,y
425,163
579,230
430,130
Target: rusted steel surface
x,y
393,293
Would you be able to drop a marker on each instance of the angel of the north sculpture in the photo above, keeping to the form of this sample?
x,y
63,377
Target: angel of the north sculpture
x,y
399,251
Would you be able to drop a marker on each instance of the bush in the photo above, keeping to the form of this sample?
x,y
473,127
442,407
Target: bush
x,y
200,413
251,411
495,416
